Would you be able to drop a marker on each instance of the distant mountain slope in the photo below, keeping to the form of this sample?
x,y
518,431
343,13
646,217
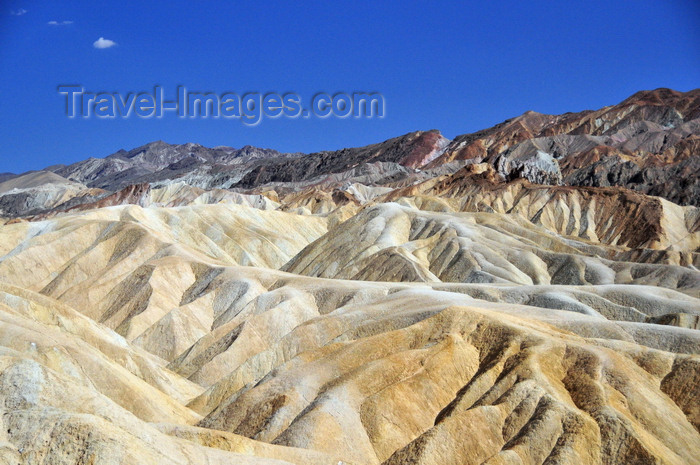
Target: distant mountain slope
x,y
123,168
411,150
650,143
38,191
32,179
5,176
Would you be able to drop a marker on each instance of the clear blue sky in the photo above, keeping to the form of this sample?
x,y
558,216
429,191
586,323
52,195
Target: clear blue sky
x,y
453,66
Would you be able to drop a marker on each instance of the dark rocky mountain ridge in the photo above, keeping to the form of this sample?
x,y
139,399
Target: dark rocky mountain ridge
x,y
650,143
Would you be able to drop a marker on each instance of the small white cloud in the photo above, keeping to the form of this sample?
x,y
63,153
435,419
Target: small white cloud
x,y
104,43
60,23
19,12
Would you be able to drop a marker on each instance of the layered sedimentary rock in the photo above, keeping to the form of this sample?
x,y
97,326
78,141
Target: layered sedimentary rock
x,y
393,243
520,344
40,191
503,298
649,143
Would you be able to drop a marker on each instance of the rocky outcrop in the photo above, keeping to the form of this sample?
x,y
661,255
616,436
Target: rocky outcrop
x,y
611,216
143,164
648,142
38,192
410,150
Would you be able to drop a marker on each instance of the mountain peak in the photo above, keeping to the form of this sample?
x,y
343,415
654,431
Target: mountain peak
x,y
585,148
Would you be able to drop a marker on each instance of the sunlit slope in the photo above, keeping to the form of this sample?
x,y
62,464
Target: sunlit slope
x,y
393,242
232,334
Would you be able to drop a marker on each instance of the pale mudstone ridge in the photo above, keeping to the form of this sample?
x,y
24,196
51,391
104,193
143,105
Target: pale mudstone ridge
x,y
154,335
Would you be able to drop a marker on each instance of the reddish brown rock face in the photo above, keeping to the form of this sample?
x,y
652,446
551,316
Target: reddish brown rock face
x,y
427,146
648,142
